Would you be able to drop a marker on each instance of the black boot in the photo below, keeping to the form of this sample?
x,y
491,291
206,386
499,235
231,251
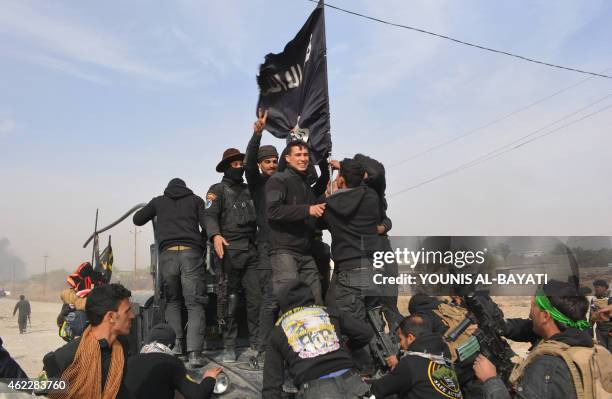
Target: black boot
x,y
195,359
179,347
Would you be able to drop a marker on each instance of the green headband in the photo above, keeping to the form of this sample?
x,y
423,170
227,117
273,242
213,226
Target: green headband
x,y
544,303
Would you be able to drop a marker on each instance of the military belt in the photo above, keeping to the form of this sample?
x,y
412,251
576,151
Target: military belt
x,y
177,248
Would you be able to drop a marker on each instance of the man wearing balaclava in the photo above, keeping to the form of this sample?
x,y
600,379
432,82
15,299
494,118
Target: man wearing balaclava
x,y
231,226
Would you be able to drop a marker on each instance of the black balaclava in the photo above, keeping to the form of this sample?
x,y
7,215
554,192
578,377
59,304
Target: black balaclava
x,y
234,174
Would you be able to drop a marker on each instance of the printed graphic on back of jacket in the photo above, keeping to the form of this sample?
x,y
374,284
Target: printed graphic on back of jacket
x,y
310,332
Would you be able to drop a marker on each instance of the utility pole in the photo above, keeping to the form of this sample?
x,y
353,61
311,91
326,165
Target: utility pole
x,y
135,232
45,283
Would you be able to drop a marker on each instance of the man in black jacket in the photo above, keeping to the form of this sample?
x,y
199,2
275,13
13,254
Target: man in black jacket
x,y
292,209
352,217
306,342
557,316
375,179
260,163
432,310
180,215
231,226
155,373
425,370
425,306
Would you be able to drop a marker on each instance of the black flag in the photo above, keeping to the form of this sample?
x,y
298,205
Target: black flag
x,y
105,262
293,88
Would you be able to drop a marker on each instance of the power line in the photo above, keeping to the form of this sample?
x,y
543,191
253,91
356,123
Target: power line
x,y
515,144
504,149
493,122
463,42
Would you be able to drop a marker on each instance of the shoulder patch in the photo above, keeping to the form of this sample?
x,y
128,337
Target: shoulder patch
x,y
210,197
444,380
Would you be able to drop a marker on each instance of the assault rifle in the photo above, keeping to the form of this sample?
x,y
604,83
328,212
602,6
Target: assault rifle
x,y
214,266
488,337
382,347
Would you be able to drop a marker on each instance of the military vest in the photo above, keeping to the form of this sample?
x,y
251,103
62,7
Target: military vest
x,y
590,368
238,209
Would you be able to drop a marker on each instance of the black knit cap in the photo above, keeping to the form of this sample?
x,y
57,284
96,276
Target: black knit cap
x,y
266,151
162,333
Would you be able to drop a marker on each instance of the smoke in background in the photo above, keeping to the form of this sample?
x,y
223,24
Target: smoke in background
x,y
8,261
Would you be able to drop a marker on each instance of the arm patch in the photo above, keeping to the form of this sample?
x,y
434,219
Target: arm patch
x,y
210,197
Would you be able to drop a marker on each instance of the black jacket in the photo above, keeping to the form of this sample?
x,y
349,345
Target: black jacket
x,y
351,216
9,368
377,181
158,375
179,212
424,305
257,186
288,199
230,212
315,348
418,377
547,377
55,363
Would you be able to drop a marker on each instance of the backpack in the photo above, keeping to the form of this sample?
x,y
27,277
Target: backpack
x,y
590,368
73,325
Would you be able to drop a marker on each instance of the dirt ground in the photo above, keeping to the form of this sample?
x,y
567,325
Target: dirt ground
x,y
28,349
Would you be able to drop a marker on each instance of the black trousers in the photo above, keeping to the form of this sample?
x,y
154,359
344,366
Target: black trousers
x,y
240,268
287,267
268,311
354,292
182,277
388,298
321,252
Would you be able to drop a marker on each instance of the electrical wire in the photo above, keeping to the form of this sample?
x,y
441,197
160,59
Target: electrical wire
x,y
512,145
463,42
493,122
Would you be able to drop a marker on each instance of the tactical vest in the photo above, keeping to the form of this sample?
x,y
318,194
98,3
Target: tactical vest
x,y
238,210
590,368
451,316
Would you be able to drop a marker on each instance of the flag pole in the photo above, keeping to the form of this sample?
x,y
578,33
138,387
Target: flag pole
x,y
93,252
329,155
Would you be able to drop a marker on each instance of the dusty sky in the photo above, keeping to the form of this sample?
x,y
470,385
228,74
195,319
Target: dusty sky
x,y
103,103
